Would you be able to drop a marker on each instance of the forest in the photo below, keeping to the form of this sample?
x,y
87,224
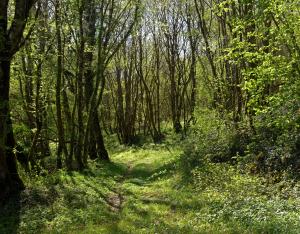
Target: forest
x,y
149,116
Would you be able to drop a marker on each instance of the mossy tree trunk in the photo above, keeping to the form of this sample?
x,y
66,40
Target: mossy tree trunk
x,y
10,42
9,178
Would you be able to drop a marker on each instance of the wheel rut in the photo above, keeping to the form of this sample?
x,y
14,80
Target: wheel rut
x,y
116,199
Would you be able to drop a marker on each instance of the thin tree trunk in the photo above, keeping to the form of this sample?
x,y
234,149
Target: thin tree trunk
x,y
80,106
60,126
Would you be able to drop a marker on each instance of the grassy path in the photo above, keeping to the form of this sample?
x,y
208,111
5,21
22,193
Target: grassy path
x,y
140,182
155,200
141,191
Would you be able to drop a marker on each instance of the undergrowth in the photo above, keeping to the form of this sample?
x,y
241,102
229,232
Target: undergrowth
x,y
193,185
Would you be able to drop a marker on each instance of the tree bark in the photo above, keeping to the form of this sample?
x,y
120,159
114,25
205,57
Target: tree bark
x,y
9,43
60,126
9,178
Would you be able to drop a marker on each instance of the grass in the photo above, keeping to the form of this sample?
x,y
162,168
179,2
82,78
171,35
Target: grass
x,y
142,191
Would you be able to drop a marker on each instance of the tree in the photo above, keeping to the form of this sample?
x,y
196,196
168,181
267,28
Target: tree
x,y
10,41
117,20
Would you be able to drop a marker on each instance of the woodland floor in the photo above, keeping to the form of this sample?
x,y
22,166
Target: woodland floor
x,y
142,191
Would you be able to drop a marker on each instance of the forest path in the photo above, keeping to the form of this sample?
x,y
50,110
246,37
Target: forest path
x,y
153,198
141,169
144,183
115,200
142,191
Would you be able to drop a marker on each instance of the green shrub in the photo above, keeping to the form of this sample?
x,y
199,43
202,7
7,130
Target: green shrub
x,y
210,139
276,145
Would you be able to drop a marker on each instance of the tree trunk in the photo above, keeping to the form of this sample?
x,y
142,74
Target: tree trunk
x,y
101,150
9,44
60,125
9,178
96,147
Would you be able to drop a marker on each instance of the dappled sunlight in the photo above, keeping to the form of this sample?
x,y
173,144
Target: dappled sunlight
x,y
144,191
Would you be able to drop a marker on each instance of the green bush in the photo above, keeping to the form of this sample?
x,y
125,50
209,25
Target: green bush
x,y
276,145
211,139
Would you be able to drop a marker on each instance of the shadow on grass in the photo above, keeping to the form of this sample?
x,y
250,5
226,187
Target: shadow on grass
x,y
153,220
29,199
145,172
10,215
111,169
91,189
